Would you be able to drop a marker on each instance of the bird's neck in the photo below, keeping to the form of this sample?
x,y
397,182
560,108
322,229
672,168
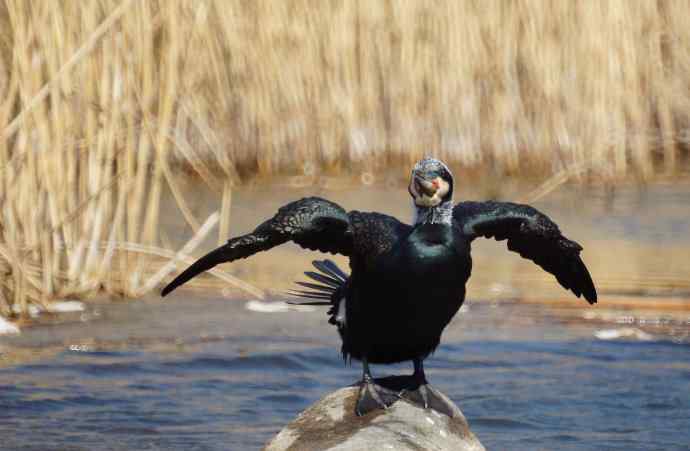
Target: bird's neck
x,y
440,214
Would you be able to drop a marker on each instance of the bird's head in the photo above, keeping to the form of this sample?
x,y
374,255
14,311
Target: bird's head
x,y
431,183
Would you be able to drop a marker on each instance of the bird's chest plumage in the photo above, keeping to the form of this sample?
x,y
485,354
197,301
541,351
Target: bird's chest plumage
x,y
404,300
431,259
424,274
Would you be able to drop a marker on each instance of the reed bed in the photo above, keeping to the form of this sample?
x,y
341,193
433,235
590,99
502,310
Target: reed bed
x,y
106,105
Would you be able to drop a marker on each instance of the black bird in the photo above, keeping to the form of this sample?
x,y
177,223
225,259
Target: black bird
x,y
407,281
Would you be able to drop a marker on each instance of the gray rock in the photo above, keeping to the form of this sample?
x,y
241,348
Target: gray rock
x,y
331,424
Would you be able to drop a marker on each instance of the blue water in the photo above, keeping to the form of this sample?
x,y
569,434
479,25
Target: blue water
x,y
196,373
579,394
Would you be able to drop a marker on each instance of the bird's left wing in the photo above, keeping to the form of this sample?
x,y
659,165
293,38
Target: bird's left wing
x,y
531,234
312,222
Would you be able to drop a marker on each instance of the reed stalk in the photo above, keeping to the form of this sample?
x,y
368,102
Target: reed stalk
x,y
106,105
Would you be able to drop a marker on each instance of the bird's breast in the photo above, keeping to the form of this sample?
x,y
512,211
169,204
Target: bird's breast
x,y
430,254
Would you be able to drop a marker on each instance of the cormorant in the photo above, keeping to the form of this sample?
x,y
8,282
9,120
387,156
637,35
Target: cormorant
x,y
407,281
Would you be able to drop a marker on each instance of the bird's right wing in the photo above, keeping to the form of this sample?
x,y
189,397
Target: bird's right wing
x,y
313,223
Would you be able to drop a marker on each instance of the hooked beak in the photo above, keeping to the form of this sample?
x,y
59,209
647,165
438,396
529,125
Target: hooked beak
x,y
425,186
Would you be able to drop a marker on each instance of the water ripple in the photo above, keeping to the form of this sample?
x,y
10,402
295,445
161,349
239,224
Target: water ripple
x,y
577,395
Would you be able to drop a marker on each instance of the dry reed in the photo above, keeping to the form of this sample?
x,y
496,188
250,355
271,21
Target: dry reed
x,y
102,102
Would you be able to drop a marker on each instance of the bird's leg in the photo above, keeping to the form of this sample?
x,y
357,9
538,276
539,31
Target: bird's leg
x,y
372,396
424,395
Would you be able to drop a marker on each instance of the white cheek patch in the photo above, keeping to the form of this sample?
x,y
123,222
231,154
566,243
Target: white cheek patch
x,y
424,200
443,188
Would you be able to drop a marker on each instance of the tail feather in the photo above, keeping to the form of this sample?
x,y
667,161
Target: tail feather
x,y
320,299
316,286
330,288
309,294
335,283
308,302
330,268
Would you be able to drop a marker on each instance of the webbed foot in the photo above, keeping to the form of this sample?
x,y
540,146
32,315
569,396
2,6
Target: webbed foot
x,y
427,397
373,397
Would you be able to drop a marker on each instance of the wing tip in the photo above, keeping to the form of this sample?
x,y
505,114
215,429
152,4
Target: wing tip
x,y
172,286
179,280
166,290
203,264
590,291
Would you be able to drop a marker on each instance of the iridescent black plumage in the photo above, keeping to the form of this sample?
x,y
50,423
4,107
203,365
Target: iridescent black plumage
x,y
407,281
532,235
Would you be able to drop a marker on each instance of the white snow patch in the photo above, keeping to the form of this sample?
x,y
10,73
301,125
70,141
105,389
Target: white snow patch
x,y
53,307
33,310
623,332
65,307
8,327
276,307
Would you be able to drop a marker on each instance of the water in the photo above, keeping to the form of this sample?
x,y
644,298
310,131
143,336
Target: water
x,y
229,378
203,372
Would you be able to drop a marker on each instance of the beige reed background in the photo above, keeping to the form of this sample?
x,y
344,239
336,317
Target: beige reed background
x,y
104,105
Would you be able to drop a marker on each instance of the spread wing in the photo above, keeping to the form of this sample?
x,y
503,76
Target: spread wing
x,y
374,234
313,223
531,234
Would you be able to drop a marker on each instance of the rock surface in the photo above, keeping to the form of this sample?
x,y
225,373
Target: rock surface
x,y
331,424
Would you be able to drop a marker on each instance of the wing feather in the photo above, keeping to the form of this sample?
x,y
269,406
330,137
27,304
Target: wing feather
x,y
312,222
374,234
531,234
